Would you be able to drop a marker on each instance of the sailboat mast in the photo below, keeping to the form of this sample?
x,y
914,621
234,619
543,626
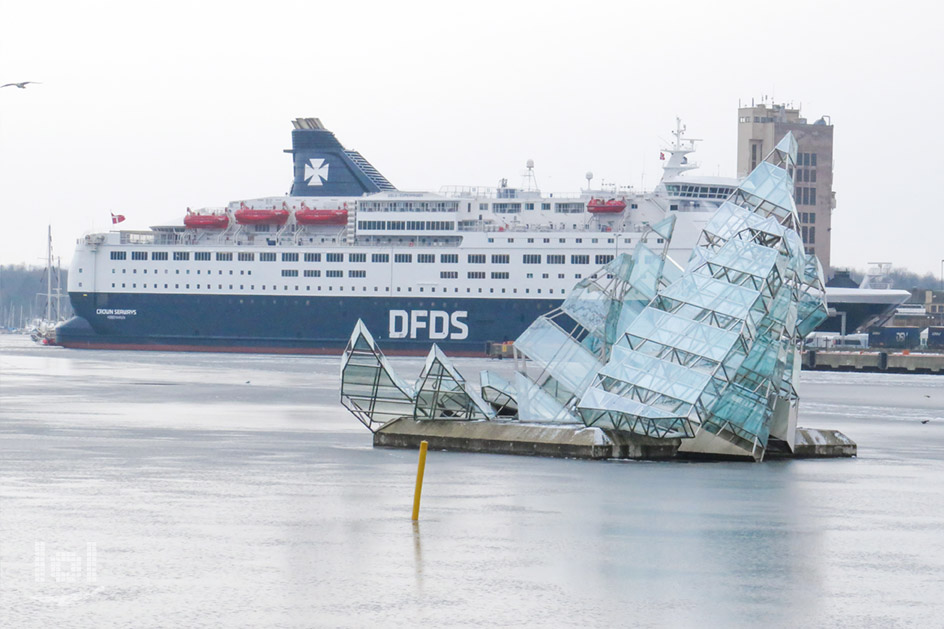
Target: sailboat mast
x,y
49,277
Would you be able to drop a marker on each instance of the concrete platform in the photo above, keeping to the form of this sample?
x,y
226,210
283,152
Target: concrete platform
x,y
576,442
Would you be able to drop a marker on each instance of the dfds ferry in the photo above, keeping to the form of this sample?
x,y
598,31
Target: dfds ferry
x,y
461,267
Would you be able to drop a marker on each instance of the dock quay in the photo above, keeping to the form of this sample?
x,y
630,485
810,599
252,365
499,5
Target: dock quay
x,y
577,441
872,361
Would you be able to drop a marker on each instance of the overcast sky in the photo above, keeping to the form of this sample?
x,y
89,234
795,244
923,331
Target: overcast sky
x,y
148,108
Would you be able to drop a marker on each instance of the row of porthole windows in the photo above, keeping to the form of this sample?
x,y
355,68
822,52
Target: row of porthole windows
x,y
176,272
409,289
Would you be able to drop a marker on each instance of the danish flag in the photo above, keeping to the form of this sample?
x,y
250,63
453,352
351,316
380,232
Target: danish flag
x,y
116,218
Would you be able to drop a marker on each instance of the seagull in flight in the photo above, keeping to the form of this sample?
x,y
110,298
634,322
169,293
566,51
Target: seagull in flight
x,y
22,85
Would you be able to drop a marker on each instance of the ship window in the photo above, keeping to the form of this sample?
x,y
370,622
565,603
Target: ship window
x,y
403,257
289,272
139,255
476,275
119,255
448,275
334,257
158,255
246,257
289,257
577,276
511,240
224,256
334,273
530,276
544,276
202,256
380,257
312,273
579,259
499,275
426,258
491,240
357,257
360,273
476,258
602,259
267,257
449,258
500,258
531,258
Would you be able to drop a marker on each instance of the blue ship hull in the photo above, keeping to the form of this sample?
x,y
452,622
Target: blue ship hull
x,y
293,324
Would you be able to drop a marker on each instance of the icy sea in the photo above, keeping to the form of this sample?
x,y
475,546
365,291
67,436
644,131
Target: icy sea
x,y
150,489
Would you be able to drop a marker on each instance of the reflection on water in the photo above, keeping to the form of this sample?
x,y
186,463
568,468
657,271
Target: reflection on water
x,y
236,491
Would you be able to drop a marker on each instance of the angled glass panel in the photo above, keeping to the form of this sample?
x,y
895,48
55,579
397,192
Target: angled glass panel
x,y
442,393
370,389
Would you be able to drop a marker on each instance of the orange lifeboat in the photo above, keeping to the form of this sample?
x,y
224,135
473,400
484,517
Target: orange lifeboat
x,y
599,206
205,221
308,216
249,216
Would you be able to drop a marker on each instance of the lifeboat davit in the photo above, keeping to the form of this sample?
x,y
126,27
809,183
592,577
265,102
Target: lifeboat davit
x,y
249,216
599,206
206,221
307,216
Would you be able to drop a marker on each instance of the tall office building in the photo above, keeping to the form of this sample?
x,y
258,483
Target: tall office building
x,y
760,127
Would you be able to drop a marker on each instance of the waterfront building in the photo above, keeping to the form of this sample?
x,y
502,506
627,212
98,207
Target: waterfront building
x,y
760,128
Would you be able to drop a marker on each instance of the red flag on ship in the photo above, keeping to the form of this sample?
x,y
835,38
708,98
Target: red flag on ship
x,y
116,218
662,156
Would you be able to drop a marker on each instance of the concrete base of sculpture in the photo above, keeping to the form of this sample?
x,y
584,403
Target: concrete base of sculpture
x,y
571,441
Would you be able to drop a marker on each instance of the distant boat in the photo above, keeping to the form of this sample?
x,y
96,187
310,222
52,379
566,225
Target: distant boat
x,y
43,331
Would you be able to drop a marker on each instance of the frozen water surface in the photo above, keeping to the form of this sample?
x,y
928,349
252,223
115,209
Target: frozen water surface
x,y
233,490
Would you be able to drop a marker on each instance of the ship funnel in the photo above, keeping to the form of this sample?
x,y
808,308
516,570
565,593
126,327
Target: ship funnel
x,y
324,168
